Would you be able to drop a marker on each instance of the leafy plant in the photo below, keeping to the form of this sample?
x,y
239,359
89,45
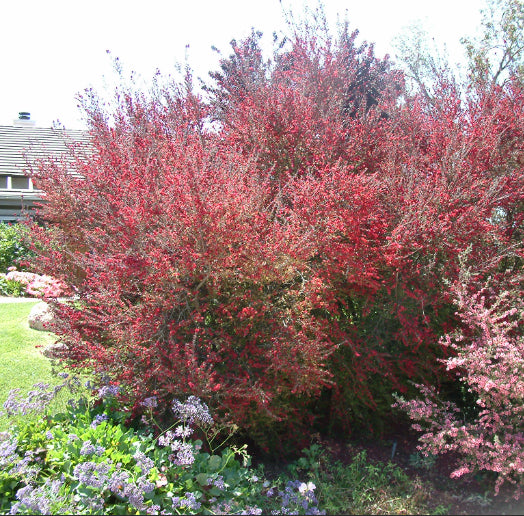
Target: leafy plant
x,y
14,248
489,362
361,486
290,263
86,462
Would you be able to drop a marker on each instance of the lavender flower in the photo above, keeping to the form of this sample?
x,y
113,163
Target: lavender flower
x,y
143,462
219,482
24,467
117,483
98,419
36,400
39,500
135,497
92,474
191,502
108,391
192,411
150,403
88,448
183,432
166,439
184,451
33,500
251,510
8,445
184,454
176,501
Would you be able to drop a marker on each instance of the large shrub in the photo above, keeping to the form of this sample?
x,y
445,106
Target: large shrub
x,y
289,261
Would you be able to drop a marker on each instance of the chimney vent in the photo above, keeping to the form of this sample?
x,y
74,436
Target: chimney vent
x,y
24,120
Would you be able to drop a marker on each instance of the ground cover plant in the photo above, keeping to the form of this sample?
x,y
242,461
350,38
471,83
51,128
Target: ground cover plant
x,y
290,245
86,461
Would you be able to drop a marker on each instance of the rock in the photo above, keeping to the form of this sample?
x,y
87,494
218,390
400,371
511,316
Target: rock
x,y
53,351
40,317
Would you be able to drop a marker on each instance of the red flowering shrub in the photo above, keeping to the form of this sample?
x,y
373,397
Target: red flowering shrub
x,y
291,260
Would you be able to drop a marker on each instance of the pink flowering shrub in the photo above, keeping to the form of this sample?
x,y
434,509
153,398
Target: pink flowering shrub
x,y
489,359
37,285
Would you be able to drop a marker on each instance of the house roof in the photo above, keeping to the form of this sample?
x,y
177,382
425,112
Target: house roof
x,y
20,144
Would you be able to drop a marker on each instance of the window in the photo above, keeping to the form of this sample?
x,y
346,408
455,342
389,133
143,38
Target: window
x,y
19,183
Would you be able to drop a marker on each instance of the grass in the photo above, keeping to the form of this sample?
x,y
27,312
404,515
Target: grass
x,y
21,361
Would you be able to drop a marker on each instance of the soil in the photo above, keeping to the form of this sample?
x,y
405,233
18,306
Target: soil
x,y
463,496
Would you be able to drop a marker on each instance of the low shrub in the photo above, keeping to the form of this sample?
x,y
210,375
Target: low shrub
x,y
20,283
489,361
86,461
14,248
360,486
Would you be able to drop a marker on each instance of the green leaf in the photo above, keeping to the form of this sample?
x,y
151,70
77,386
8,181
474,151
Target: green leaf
x,y
215,462
201,478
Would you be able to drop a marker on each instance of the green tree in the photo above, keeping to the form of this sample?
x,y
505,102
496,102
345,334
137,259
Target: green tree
x,y
499,53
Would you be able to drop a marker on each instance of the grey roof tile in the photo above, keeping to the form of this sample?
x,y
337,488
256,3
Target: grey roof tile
x,y
21,144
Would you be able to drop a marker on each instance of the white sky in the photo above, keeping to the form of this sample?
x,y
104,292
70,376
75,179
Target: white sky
x,y
52,49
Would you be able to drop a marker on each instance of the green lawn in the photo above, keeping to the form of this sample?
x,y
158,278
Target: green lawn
x,y
21,361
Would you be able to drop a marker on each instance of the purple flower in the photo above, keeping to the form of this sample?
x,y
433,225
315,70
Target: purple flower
x,y
36,400
88,448
34,500
184,451
143,462
184,454
219,482
118,482
92,474
39,500
191,501
98,419
181,431
8,445
251,510
192,411
166,439
150,403
108,391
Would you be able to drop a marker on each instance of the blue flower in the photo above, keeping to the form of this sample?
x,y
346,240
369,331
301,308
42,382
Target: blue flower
x,y
98,419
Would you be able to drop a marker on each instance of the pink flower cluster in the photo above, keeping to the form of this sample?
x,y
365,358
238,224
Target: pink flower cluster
x,y
490,362
37,285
